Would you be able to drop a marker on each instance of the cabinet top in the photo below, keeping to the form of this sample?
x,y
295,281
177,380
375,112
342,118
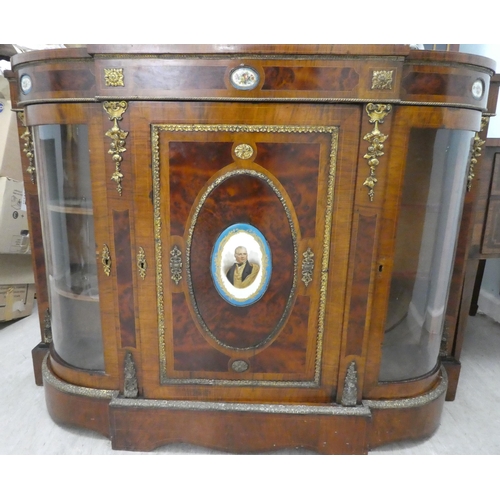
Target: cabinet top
x,y
325,50
232,72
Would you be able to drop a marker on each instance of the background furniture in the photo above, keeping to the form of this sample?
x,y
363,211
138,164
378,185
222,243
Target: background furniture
x,y
485,235
343,171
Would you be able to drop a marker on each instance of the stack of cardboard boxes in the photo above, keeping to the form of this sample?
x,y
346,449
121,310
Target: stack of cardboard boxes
x,y
17,289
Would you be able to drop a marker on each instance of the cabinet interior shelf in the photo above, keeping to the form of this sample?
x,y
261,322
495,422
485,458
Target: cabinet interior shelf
x,y
71,295
70,209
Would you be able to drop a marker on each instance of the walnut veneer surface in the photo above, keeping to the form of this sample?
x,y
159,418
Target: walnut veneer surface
x,y
308,149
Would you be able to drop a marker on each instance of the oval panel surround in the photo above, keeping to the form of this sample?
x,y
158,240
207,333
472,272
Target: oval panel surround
x,y
247,201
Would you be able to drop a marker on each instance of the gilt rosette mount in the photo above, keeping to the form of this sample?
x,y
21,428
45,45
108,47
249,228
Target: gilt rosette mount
x,y
115,110
382,80
113,77
377,114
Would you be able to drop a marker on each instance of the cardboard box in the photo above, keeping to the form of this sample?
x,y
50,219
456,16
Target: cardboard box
x,y
17,287
14,233
10,153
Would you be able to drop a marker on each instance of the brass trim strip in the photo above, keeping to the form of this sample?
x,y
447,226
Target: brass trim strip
x,y
332,100
287,409
55,100
77,390
242,55
341,100
438,104
422,400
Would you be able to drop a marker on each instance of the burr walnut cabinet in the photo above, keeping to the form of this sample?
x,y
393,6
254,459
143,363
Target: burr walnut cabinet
x,y
246,247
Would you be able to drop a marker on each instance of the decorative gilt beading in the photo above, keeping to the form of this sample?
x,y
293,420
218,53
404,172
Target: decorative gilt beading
x,y
307,266
115,110
50,379
476,152
219,406
142,265
382,80
106,260
413,402
333,132
377,114
243,151
350,393
130,388
113,77
29,149
176,264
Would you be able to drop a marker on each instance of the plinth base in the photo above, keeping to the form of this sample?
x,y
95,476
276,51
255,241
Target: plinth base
x,y
137,424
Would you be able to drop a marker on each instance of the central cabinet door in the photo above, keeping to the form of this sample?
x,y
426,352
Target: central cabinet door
x,y
244,223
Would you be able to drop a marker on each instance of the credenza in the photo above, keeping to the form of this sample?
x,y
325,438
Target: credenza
x,y
247,247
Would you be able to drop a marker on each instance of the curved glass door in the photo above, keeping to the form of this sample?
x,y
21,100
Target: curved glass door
x,y
63,167
429,221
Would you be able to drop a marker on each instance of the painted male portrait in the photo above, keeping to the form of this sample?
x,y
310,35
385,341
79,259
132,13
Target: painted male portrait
x,y
242,273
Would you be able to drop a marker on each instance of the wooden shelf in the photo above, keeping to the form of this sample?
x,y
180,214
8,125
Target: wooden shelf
x,y
69,209
71,295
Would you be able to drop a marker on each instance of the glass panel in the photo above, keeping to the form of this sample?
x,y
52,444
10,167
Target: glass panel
x,y
63,168
431,207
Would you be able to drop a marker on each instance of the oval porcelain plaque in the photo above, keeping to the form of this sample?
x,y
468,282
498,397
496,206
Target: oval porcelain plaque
x,y
241,264
478,89
244,78
26,84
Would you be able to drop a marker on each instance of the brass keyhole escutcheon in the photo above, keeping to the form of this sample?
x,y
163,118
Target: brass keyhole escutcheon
x,y
106,260
142,265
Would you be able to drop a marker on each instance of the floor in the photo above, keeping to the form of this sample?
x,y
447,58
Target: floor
x,y
469,425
